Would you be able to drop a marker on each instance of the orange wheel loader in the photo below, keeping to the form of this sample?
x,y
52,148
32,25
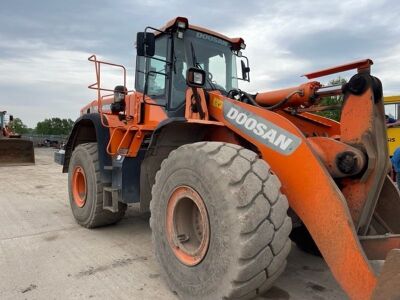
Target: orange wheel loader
x,y
14,150
220,168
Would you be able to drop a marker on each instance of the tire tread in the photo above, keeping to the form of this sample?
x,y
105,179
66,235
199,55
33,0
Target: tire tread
x,y
99,217
264,239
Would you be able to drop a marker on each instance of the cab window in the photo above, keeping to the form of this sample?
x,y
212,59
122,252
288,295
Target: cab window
x,y
217,67
391,110
155,68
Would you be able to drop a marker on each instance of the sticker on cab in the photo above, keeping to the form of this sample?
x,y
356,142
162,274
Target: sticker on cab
x,y
216,102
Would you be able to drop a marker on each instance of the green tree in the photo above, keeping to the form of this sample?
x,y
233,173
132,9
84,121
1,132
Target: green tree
x,y
333,114
54,126
17,126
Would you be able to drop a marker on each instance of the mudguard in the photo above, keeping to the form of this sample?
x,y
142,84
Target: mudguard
x,y
88,129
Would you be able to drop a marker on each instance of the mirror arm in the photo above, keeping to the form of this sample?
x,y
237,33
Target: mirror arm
x,y
155,29
246,69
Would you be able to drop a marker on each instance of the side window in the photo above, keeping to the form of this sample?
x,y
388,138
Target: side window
x,y
181,59
156,84
391,110
179,82
140,73
217,69
156,69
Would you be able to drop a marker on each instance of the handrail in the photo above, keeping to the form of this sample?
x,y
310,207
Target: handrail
x,y
97,84
127,130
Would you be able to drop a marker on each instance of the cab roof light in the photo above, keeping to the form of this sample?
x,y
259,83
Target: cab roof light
x,y
182,23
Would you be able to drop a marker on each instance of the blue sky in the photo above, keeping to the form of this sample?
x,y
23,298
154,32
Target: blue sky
x,y
44,44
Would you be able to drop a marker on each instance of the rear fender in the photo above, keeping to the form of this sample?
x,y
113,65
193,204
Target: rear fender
x,y
169,135
88,129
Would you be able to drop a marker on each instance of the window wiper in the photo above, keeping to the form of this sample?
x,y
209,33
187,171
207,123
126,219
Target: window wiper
x,y
197,65
194,59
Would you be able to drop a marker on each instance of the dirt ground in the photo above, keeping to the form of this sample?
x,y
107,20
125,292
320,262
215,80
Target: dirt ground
x,y
44,254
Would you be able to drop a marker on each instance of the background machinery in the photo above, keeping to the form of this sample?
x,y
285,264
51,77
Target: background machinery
x,y
221,170
392,109
13,149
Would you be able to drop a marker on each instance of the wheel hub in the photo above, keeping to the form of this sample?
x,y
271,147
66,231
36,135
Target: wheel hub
x,y
188,227
79,191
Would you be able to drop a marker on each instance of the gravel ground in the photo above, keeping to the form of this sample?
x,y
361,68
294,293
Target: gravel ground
x,y
44,254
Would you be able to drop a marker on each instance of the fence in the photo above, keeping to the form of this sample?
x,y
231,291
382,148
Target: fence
x,y
43,140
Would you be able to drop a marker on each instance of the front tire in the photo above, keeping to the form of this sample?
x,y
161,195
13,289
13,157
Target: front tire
x,y
233,243
86,190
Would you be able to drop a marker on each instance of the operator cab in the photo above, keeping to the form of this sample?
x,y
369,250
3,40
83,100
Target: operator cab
x,y
164,57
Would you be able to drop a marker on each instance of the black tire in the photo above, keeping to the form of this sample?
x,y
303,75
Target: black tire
x,y
92,214
249,226
304,241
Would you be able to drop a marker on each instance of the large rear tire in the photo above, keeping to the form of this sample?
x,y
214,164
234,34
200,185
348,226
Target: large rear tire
x,y
86,190
219,222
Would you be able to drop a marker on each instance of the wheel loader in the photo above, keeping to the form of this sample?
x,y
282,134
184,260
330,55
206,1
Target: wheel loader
x,y
228,174
13,149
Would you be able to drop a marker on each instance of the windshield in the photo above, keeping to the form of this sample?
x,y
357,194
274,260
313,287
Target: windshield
x,y
201,50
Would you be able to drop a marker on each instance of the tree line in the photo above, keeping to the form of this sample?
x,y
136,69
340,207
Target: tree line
x,y
53,126
57,126
334,101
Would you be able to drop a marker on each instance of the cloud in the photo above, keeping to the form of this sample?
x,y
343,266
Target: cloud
x,y
45,45
285,40
387,69
48,81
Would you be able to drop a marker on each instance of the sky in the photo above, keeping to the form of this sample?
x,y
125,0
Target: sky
x,y
44,44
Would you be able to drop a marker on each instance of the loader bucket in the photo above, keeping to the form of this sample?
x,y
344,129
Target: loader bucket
x,y
16,152
388,286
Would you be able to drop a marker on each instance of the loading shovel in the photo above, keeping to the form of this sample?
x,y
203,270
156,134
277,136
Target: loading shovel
x,y
16,152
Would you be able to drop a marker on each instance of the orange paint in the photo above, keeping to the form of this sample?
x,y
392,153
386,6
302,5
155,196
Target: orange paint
x,y
323,210
79,191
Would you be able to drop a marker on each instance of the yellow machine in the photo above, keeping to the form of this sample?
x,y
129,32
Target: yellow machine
x,y
392,107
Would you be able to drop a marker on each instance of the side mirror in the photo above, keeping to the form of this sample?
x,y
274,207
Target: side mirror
x,y
195,77
145,44
245,70
11,118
